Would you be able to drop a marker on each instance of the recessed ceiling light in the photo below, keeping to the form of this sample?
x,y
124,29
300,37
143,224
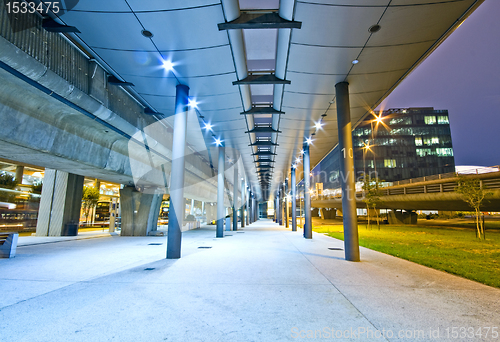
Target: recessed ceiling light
x,y
355,61
147,34
374,28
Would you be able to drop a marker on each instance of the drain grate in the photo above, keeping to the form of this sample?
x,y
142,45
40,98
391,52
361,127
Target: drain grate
x,y
335,248
149,269
205,247
155,244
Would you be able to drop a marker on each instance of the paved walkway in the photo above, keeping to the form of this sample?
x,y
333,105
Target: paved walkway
x,y
262,283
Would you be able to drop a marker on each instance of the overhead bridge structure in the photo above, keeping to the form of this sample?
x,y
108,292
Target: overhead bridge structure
x,y
224,101
426,193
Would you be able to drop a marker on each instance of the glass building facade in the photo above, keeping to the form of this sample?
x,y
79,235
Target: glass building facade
x,y
402,143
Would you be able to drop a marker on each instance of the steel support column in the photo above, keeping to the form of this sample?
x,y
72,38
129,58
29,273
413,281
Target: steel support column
x,y
351,242
235,198
243,203
248,206
177,203
282,205
287,209
307,194
220,193
294,201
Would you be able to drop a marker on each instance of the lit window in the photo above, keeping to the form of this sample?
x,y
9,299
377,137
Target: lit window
x,y
435,140
443,119
390,163
430,120
401,121
418,141
444,152
422,152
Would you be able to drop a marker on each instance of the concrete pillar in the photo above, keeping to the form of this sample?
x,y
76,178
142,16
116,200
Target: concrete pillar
x,y
243,202
154,212
60,203
235,198
191,211
220,193
19,174
113,214
307,194
351,241
177,202
211,213
294,201
136,212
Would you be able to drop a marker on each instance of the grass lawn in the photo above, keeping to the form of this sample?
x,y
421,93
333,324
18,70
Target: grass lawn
x,y
455,251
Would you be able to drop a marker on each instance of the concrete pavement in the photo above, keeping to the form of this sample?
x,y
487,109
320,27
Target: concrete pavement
x,y
262,283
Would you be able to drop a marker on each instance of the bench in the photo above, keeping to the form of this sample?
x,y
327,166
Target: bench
x,y
8,244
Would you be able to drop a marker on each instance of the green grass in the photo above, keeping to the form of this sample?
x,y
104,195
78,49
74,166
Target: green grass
x,y
455,251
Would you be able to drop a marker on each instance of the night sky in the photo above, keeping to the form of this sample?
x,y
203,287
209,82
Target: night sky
x,y
463,76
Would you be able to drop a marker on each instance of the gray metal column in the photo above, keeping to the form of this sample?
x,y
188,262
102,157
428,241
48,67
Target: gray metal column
x,y
177,204
287,209
277,209
282,205
235,197
248,206
243,203
307,194
294,201
351,242
220,193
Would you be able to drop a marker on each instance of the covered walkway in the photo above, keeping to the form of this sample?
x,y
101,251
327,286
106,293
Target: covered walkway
x,y
261,283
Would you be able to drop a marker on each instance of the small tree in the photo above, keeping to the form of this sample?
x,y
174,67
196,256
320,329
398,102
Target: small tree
x,y
90,198
473,194
371,196
7,181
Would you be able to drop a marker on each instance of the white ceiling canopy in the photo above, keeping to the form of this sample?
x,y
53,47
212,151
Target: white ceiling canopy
x,y
332,34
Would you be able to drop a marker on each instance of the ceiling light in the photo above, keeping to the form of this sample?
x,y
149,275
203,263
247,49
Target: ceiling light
x,y
301,151
168,65
294,166
192,103
297,160
218,142
309,141
318,125
208,126
355,61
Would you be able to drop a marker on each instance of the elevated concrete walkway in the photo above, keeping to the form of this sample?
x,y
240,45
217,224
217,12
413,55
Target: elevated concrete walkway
x,y
262,283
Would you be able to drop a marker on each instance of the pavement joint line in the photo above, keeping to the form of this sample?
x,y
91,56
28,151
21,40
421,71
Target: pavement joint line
x,y
65,240
333,285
